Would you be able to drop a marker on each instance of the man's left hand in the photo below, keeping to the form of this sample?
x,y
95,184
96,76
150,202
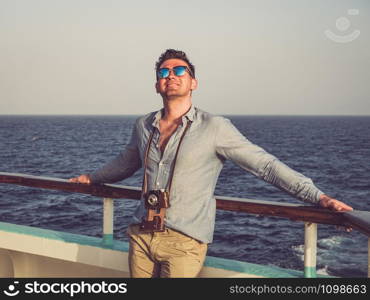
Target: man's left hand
x,y
333,204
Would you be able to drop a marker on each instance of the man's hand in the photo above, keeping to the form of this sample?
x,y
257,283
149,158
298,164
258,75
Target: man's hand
x,y
84,178
333,204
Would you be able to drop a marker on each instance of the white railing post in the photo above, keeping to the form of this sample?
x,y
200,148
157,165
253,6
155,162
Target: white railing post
x,y
310,243
108,212
368,257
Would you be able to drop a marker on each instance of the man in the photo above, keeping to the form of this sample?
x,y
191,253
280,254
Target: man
x,y
182,150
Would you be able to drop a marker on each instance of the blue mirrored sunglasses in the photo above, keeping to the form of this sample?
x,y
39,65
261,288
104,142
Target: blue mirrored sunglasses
x,y
178,71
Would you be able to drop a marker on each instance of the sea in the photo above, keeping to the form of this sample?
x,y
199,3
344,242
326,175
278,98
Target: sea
x,y
334,151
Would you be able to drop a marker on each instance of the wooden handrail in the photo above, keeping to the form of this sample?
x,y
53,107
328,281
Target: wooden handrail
x,y
291,211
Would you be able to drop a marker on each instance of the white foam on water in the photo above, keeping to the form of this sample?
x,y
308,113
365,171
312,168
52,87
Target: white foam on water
x,y
323,245
323,271
299,251
330,242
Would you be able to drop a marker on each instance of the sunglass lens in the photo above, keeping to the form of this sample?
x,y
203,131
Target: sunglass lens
x,y
163,73
179,71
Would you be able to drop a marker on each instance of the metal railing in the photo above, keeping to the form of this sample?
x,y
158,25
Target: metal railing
x,y
310,215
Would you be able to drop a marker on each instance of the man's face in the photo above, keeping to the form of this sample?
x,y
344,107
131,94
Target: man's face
x,y
174,86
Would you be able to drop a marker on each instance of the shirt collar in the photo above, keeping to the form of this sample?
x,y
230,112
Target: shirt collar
x,y
189,115
158,115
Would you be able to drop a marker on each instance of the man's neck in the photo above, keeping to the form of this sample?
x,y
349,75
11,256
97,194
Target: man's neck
x,y
175,109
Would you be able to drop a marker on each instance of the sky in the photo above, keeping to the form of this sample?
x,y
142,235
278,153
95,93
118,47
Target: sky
x,y
252,57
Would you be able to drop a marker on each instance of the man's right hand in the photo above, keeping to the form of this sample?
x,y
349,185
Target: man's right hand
x,y
84,178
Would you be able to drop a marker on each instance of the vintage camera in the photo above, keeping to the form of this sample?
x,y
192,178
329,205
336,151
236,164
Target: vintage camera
x,y
157,199
156,202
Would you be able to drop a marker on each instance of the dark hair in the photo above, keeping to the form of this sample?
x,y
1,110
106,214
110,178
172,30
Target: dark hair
x,y
172,53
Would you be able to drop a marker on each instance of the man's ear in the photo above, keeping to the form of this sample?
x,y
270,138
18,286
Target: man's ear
x,y
194,84
156,87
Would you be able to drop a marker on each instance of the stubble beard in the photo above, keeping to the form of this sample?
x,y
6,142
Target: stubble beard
x,y
173,95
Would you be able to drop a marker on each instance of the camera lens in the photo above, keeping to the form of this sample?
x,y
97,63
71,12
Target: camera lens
x,y
152,199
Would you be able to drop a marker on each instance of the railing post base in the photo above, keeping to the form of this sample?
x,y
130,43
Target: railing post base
x,y
107,240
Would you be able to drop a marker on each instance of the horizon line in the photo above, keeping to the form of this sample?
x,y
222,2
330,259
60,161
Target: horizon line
x,y
290,115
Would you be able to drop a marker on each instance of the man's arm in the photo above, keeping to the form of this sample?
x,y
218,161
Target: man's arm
x,y
231,144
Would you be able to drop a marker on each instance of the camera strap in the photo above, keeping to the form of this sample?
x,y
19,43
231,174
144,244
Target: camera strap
x,y
145,185
154,220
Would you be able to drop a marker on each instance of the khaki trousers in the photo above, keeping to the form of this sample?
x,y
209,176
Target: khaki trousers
x,y
168,254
